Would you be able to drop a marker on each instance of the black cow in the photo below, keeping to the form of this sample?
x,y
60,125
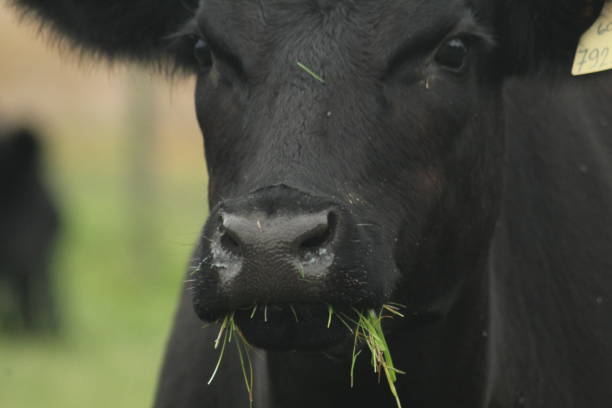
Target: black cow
x,y
434,153
28,229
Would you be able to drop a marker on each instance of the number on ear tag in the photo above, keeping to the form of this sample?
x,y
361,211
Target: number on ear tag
x,y
595,47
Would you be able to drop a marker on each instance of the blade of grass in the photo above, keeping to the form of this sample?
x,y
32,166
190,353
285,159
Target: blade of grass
x,y
301,272
310,72
227,332
393,309
230,328
294,313
368,328
344,322
248,378
212,377
354,359
221,332
383,346
246,346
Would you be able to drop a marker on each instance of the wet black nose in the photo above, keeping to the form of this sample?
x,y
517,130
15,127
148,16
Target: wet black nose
x,y
279,247
262,240
265,257
260,252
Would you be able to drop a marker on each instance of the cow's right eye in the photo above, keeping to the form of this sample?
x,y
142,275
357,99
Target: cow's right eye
x,y
202,54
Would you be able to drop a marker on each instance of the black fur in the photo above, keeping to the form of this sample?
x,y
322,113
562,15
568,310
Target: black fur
x,y
140,30
483,192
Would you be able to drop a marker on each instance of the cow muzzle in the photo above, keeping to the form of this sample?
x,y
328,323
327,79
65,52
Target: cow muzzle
x,y
280,260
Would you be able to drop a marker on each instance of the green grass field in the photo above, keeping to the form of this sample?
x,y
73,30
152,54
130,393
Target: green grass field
x,y
119,265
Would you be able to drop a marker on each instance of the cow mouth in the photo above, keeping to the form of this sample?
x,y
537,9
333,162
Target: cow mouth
x,y
307,327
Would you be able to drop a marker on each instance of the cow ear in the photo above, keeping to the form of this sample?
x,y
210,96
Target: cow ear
x,y
141,30
532,33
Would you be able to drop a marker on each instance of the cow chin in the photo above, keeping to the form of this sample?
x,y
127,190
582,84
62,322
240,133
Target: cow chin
x,y
295,327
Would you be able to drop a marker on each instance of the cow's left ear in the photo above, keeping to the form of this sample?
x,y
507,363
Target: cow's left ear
x,y
140,30
535,32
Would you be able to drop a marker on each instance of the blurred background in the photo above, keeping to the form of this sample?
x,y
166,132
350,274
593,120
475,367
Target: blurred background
x,y
122,162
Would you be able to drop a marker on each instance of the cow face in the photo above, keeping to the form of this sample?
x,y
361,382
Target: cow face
x,y
353,150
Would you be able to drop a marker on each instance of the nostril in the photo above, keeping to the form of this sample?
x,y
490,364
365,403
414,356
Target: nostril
x,y
318,238
319,235
230,242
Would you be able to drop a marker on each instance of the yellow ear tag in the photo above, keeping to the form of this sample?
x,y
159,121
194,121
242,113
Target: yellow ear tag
x,y
594,49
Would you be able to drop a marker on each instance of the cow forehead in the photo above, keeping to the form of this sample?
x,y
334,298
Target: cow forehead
x,y
260,25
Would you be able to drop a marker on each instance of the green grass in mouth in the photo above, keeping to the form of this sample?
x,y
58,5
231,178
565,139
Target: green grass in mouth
x,y
229,331
367,329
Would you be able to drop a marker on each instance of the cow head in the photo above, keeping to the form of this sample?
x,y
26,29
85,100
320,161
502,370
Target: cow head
x,y
354,152
349,154
354,147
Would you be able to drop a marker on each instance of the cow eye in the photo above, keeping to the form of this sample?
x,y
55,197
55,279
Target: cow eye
x,y
453,54
202,54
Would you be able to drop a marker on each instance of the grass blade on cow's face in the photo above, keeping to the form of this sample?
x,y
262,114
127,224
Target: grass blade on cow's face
x,y
241,344
227,332
221,338
310,72
368,328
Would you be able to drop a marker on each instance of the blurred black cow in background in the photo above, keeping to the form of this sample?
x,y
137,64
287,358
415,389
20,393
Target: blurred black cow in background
x,y
28,229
